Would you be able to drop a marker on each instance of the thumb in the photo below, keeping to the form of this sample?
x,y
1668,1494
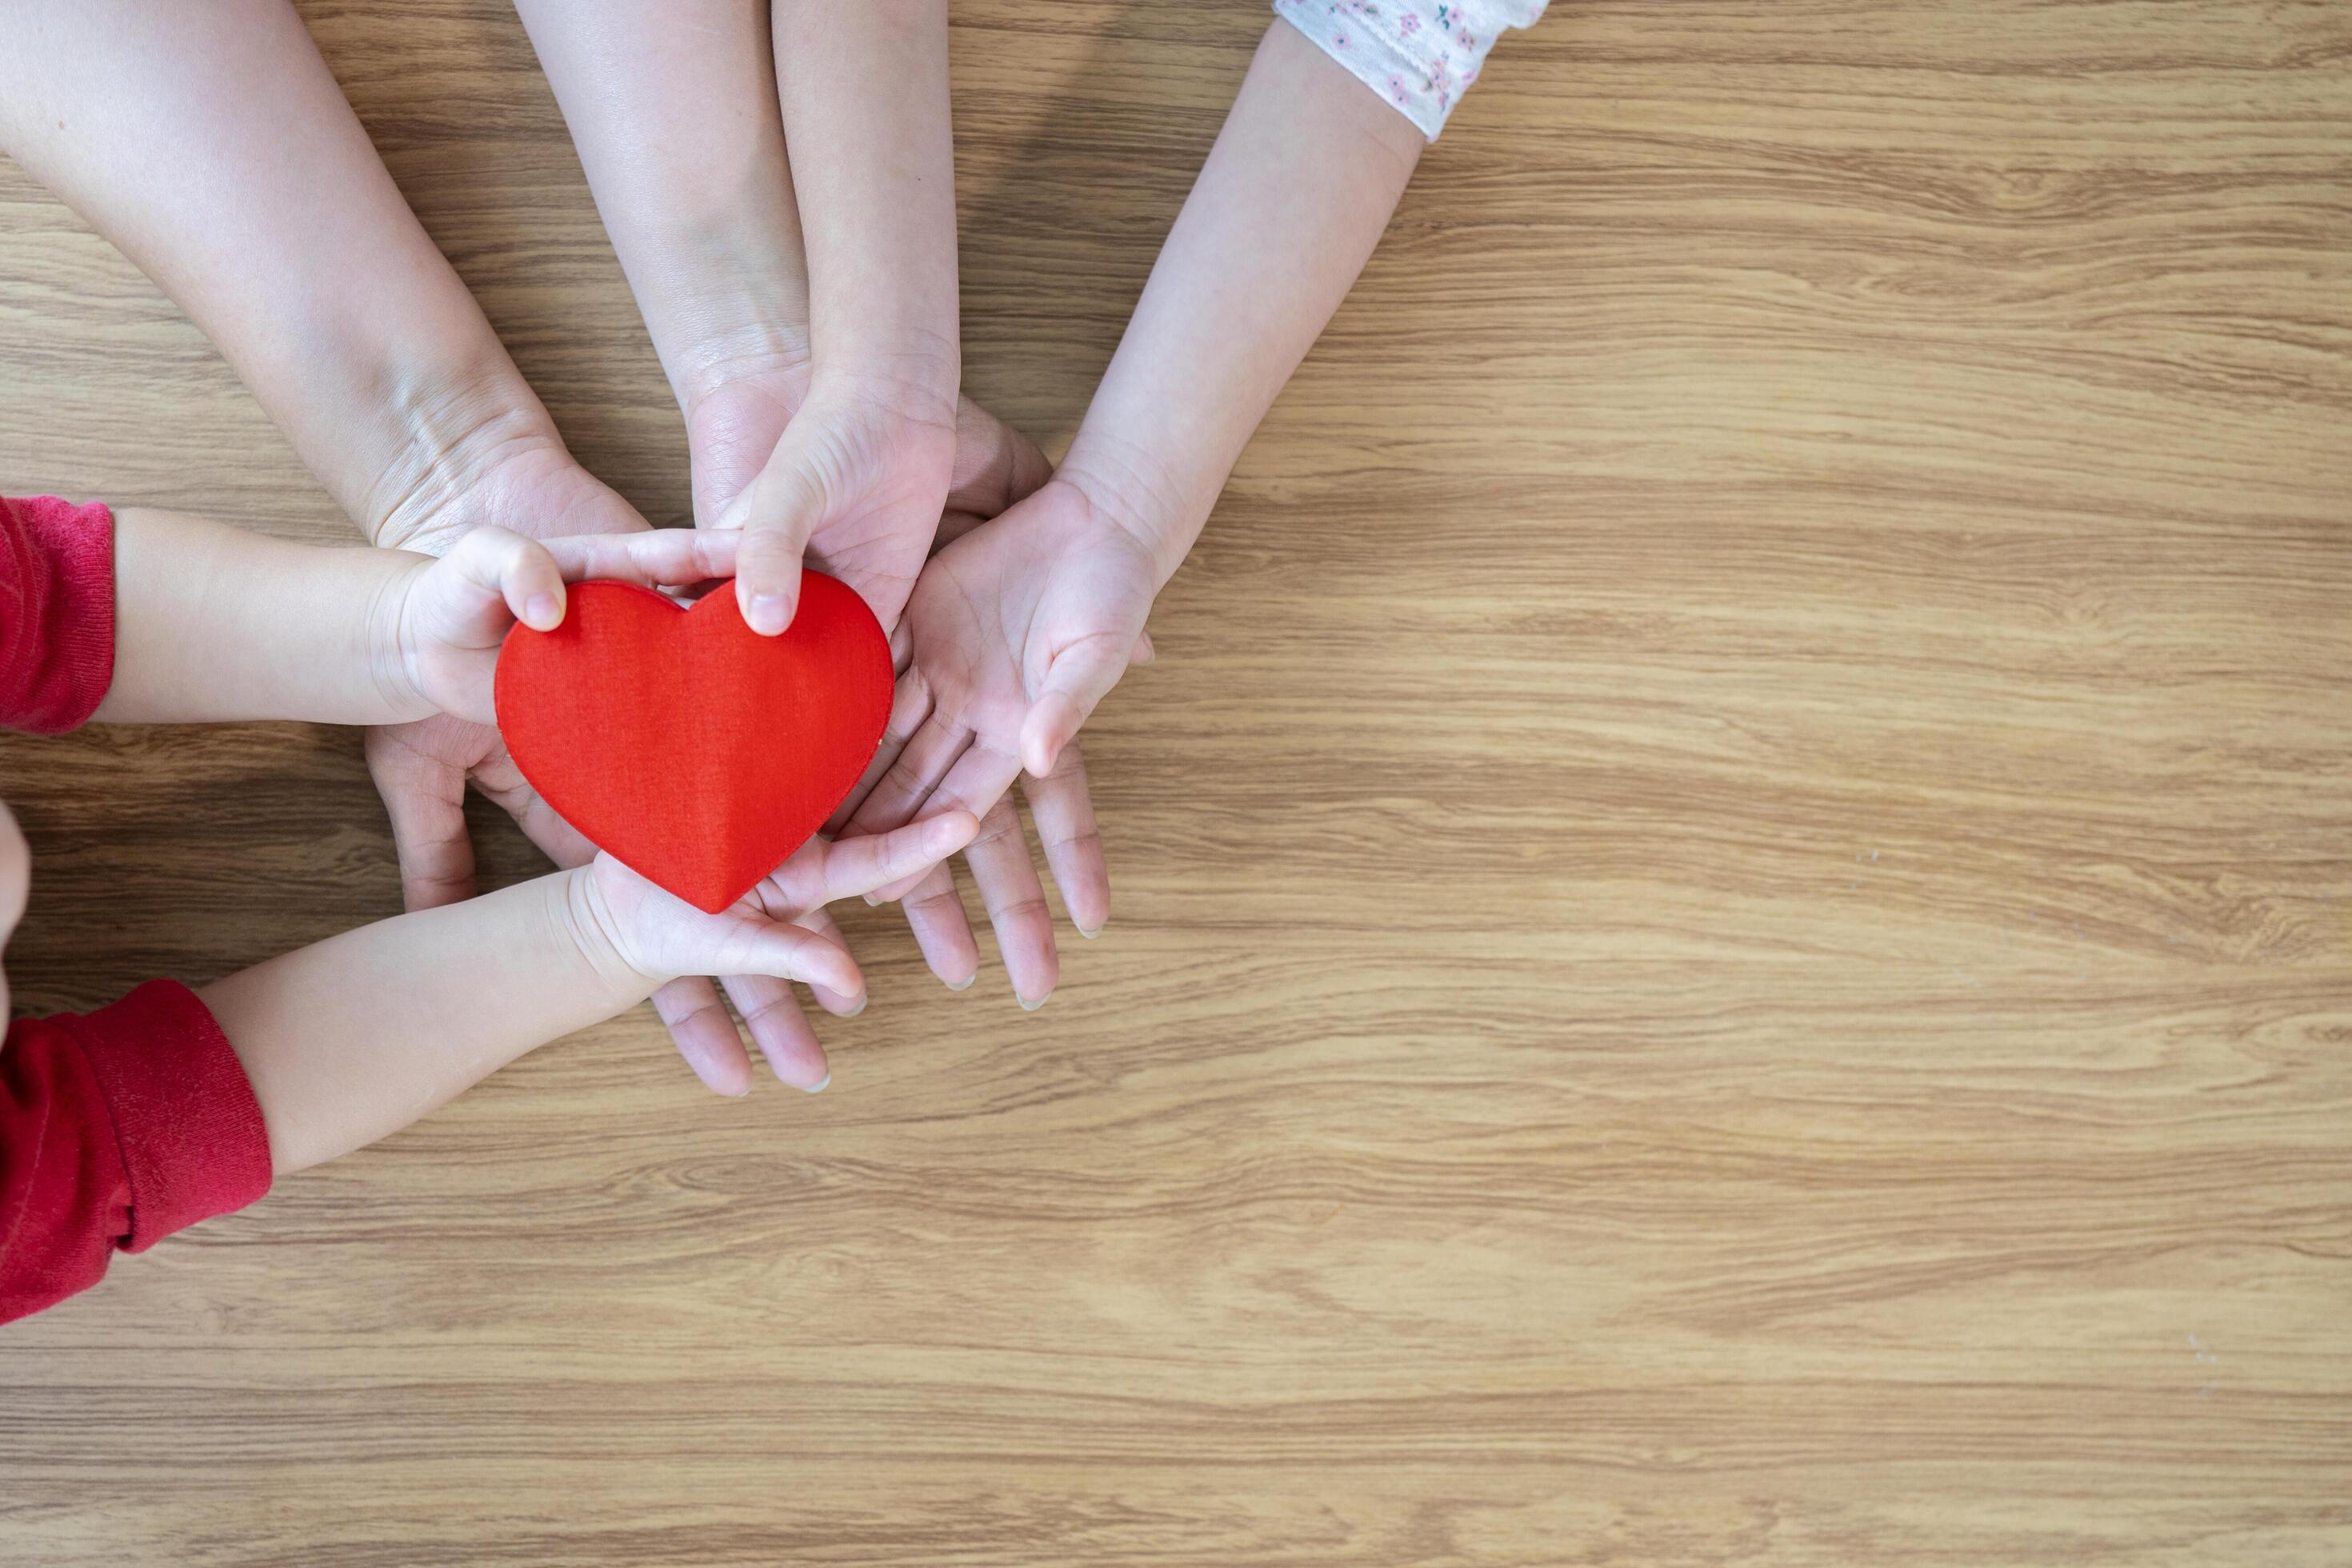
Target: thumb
x,y
748,945
776,514
503,565
426,800
1080,675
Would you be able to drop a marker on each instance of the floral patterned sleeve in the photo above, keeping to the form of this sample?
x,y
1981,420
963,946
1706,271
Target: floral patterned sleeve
x,y
1418,54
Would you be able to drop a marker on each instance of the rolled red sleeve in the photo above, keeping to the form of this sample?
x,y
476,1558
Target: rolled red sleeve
x,y
56,612
117,1128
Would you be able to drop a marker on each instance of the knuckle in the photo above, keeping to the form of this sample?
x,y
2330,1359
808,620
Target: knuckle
x,y
936,904
1084,838
1027,907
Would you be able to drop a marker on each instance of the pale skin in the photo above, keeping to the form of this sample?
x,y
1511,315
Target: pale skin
x,y
351,1038
211,144
803,305
1018,629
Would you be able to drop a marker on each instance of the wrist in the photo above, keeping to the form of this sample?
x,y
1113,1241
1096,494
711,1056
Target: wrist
x,y
724,292
388,644
772,353
581,911
911,375
444,426
1126,487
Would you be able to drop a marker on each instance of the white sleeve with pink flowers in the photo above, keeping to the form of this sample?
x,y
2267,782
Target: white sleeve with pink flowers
x,y
1418,54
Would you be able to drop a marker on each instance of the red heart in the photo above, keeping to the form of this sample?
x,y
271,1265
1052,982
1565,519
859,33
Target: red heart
x,y
697,751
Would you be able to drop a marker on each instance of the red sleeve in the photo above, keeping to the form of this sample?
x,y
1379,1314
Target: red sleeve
x,y
56,612
117,1128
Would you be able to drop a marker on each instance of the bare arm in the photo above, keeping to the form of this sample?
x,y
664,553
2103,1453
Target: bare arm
x,y
1020,628
1296,194
214,623
864,97
211,144
351,1038
673,110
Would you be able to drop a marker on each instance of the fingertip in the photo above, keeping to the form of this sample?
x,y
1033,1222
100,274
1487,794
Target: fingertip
x,y
765,611
837,973
544,612
731,1079
767,581
1041,740
949,831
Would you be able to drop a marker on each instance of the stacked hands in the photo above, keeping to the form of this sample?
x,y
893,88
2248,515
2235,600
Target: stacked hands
x,y
777,178
1015,606
435,641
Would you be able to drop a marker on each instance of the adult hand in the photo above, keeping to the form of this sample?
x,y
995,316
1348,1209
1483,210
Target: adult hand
x,y
842,471
737,415
511,470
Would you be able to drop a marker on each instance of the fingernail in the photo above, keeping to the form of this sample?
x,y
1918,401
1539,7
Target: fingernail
x,y
766,614
859,1009
872,903
540,610
1090,935
818,1086
963,984
1029,1007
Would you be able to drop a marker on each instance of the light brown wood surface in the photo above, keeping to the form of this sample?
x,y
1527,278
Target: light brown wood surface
x,y
1733,934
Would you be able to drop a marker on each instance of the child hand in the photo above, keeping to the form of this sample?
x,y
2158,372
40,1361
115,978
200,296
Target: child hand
x,y
856,479
1017,630
735,435
620,917
437,634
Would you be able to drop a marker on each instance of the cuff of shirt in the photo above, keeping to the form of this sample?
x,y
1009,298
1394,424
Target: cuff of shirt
x,y
67,662
1416,84
184,1117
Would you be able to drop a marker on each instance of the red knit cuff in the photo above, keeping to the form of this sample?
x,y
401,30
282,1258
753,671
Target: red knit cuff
x,y
190,1131
56,667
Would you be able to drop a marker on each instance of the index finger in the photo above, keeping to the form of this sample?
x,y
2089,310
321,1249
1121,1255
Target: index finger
x,y
655,558
823,871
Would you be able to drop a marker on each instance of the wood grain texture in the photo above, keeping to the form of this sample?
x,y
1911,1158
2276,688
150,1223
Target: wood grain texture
x,y
1732,938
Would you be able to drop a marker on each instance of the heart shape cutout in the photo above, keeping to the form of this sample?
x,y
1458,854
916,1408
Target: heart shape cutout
x,y
696,751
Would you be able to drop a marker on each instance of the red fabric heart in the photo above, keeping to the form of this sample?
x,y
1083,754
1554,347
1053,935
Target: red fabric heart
x,y
698,753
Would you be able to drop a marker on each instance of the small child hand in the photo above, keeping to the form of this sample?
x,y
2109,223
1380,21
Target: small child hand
x,y
621,919
437,634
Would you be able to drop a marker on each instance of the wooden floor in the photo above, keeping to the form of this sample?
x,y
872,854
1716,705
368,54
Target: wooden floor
x,y
1734,924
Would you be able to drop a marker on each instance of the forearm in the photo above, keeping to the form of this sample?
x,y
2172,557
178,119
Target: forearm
x,y
211,144
354,1037
864,90
673,109
213,623
1295,194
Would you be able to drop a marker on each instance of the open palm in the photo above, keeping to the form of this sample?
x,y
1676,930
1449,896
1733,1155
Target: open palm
x,y
1014,632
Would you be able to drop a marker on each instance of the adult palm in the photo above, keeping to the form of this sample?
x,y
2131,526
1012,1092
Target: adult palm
x,y
738,421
